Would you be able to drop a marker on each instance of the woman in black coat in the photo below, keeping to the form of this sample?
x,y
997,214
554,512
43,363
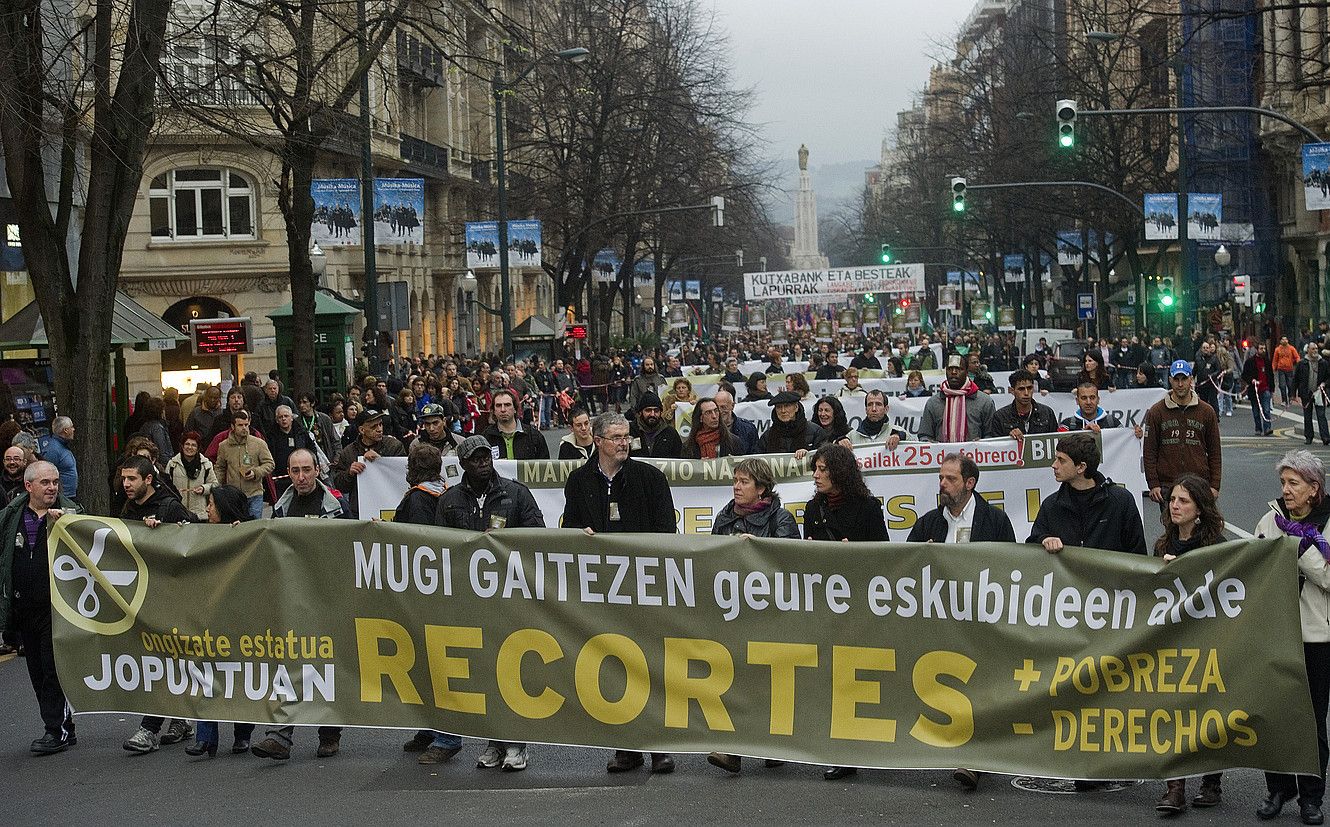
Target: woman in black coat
x,y
843,509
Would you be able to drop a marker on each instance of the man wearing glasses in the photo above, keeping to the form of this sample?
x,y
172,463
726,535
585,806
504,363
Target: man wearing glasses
x,y
613,493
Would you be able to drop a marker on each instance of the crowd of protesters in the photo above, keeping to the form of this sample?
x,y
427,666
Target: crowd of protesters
x,y
230,457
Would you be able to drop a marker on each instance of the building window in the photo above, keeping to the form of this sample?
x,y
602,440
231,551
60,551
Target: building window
x,y
201,203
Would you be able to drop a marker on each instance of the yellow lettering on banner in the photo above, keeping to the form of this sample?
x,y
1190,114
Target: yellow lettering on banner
x,y
375,666
443,667
783,658
508,671
1243,735
847,692
1064,730
1213,681
587,678
900,512
680,688
1114,723
1159,718
945,699
1033,497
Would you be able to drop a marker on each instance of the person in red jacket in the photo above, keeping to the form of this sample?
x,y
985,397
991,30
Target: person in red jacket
x,y
1257,379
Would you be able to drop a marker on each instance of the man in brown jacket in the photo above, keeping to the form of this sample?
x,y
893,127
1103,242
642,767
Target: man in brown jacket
x,y
244,461
1181,436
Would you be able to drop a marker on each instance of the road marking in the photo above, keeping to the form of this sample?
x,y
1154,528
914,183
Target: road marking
x,y
1241,534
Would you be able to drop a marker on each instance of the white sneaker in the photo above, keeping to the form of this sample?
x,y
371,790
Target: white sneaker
x,y
490,758
514,760
143,742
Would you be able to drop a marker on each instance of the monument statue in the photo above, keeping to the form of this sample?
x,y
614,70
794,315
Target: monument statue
x,y
803,156
804,254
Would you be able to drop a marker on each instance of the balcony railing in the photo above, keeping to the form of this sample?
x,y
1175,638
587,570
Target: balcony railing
x,y
419,59
424,156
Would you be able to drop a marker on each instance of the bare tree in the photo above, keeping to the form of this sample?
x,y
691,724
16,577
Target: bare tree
x,y
77,106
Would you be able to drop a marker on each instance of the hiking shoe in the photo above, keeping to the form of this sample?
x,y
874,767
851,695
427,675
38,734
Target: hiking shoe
x,y
328,747
178,731
727,762
514,760
419,742
489,758
271,748
143,742
437,755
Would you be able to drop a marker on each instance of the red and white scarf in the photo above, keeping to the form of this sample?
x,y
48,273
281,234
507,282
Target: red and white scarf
x,y
955,423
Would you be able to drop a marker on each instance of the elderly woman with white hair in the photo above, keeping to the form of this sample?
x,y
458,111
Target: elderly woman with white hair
x,y
1302,512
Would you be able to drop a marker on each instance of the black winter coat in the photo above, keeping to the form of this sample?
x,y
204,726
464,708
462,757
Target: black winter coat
x,y
508,504
858,519
643,494
526,444
1110,520
990,524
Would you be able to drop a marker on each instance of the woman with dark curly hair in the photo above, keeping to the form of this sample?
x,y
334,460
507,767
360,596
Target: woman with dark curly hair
x,y
1095,371
829,414
1191,521
842,510
798,383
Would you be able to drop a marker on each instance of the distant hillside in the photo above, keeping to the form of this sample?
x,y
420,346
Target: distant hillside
x,y
835,184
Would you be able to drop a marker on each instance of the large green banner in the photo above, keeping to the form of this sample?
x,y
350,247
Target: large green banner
x,y
1085,664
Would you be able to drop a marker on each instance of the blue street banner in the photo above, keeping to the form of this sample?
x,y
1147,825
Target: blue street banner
x,y
1316,175
336,212
482,244
1013,268
605,266
399,211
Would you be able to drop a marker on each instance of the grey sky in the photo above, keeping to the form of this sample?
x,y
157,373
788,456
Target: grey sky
x,y
833,73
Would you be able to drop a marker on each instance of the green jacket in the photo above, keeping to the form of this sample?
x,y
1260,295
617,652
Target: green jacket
x,y
10,524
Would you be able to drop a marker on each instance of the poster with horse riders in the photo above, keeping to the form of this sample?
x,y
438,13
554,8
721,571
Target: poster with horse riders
x,y
1316,175
399,211
336,212
482,244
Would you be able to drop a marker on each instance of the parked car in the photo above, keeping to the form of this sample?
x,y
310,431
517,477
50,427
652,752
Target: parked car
x,y
1066,364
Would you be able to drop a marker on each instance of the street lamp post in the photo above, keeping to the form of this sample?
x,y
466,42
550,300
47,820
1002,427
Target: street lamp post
x,y
500,88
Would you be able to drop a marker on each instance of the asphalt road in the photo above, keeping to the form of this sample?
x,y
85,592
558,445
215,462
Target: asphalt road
x,y
373,781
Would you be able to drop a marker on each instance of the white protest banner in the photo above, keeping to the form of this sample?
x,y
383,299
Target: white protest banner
x,y
707,384
1129,405
834,285
1015,476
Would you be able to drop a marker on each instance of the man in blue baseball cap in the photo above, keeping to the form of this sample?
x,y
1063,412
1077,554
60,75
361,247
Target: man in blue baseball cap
x,y
1189,429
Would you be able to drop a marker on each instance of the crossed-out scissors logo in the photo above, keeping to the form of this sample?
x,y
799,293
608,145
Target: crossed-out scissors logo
x,y
99,579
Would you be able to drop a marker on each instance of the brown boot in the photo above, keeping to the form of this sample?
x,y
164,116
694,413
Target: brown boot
x,y
1174,800
1210,795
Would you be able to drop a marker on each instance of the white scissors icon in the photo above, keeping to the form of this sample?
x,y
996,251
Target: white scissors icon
x,y
67,568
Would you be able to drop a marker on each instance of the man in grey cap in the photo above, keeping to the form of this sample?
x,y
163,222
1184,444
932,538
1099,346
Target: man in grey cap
x,y
436,420
484,501
958,412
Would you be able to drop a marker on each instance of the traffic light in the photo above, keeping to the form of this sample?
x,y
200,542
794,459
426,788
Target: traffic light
x,y
1166,292
886,254
958,194
870,298
1242,289
1066,123
1258,302
901,305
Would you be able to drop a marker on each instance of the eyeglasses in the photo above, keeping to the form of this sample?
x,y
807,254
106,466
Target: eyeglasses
x,y
617,440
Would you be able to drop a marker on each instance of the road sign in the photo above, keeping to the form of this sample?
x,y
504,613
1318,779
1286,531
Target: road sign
x,y
1085,306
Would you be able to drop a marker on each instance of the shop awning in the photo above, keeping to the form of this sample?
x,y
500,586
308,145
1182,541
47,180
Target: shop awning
x,y
535,328
131,324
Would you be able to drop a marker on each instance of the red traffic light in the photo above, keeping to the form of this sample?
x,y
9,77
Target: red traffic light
x,y
905,302
1245,343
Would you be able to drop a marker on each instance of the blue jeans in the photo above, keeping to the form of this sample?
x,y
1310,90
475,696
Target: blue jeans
x,y
546,407
256,506
446,740
1263,425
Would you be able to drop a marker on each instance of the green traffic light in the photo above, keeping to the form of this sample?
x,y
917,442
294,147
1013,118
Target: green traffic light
x,y
958,205
1068,141
1166,300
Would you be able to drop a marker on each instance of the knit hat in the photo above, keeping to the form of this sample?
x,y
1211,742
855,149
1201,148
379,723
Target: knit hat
x,y
650,399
